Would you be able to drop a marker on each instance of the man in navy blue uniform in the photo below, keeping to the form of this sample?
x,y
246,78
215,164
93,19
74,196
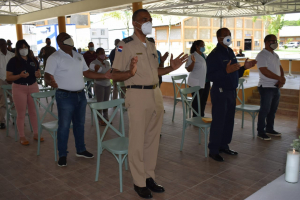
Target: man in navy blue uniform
x,y
224,71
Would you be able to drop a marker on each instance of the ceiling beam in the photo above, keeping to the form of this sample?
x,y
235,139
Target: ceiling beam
x,y
71,8
4,19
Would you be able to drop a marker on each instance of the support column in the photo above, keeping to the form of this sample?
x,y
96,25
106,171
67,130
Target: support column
x,y
61,24
19,31
221,22
137,6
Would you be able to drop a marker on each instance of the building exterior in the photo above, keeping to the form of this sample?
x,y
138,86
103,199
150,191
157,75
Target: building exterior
x,y
246,34
287,32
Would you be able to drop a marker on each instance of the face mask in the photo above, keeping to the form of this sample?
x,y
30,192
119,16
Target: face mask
x,y
227,40
69,42
146,28
202,49
274,46
48,43
23,52
91,48
102,57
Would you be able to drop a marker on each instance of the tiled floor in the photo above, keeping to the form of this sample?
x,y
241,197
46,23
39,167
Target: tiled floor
x,y
185,175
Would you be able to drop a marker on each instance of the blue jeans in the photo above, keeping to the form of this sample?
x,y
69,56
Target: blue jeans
x,y
269,100
71,107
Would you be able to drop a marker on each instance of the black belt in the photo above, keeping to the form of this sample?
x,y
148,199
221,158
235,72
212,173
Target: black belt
x,y
25,83
79,91
142,86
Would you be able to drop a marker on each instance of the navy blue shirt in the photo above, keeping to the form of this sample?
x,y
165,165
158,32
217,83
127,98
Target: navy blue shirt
x,y
217,62
29,65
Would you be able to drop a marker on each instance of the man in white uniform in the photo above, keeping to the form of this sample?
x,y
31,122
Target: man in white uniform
x,y
5,56
65,71
271,78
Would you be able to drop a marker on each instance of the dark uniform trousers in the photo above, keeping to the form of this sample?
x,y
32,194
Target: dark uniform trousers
x,y
223,111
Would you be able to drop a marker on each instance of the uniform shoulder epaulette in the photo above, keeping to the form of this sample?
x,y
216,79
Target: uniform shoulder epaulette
x,y
151,40
128,39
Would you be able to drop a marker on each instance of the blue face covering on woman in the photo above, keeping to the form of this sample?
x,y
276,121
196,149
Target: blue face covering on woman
x,y
202,49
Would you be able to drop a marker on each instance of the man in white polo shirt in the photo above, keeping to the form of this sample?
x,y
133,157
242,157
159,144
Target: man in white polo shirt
x,y
65,71
271,78
5,56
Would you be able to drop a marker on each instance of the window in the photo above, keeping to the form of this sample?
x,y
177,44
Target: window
x,y
216,22
102,31
257,43
175,34
257,34
239,23
204,22
239,34
191,22
190,33
248,23
161,34
258,24
204,34
230,22
238,43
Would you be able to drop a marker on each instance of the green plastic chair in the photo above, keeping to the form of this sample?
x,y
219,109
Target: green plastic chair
x,y
196,121
121,92
117,146
51,126
87,92
176,88
253,110
10,112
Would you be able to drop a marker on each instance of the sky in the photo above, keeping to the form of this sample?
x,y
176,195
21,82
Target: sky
x,y
290,17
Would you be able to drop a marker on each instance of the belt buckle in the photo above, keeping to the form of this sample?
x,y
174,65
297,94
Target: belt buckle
x,y
154,86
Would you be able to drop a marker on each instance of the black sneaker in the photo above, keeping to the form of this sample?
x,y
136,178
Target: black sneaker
x,y
2,126
274,133
263,136
62,162
85,154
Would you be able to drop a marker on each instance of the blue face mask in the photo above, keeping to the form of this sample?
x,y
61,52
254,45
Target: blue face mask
x,y
202,49
91,48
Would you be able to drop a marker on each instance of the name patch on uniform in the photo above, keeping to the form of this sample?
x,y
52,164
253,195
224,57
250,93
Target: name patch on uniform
x,y
120,48
139,53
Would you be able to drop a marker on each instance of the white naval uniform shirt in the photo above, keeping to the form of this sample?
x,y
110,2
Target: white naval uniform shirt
x,y
197,76
3,63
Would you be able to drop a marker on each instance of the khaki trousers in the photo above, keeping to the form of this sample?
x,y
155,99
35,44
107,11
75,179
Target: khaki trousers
x,y
2,102
145,112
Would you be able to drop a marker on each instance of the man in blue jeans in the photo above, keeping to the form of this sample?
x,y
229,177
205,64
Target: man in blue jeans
x,y
271,78
65,71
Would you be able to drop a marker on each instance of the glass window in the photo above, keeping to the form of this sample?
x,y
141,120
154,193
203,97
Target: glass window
x,y
248,33
215,32
175,34
257,24
204,34
297,38
238,43
257,35
239,23
190,33
204,21
257,43
191,22
239,34
162,34
248,23
230,22
216,22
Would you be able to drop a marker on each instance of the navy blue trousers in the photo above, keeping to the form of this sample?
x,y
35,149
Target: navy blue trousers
x,y
223,111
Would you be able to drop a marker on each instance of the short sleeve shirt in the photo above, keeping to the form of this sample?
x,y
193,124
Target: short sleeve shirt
x,y
67,70
147,64
198,75
3,63
17,66
103,69
270,60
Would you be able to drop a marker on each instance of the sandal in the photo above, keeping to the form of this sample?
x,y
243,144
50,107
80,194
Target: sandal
x,y
24,142
36,139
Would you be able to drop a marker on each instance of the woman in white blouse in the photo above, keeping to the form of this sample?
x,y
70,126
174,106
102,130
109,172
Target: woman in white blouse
x,y
196,65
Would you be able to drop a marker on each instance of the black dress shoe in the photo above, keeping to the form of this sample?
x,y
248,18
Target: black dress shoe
x,y
216,157
228,151
2,126
153,186
143,192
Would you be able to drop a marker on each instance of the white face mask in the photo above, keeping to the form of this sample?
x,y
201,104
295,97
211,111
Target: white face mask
x,y
146,28
274,46
69,42
227,40
23,52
